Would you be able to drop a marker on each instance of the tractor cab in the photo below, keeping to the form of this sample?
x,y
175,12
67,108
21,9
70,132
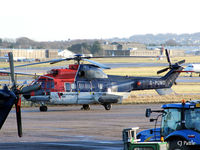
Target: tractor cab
x,y
180,116
179,125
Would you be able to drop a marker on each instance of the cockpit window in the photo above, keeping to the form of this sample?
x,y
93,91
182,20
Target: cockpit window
x,y
46,83
96,73
91,72
191,66
42,82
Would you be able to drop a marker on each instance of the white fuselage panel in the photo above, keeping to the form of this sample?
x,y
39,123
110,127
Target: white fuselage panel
x,y
81,97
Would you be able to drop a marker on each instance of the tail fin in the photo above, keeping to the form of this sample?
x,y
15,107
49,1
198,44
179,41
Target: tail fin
x,y
170,79
174,72
171,76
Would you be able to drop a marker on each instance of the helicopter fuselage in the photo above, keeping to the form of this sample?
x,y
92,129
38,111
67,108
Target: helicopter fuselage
x,y
88,84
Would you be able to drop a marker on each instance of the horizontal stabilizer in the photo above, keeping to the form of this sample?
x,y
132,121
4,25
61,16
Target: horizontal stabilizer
x,y
165,91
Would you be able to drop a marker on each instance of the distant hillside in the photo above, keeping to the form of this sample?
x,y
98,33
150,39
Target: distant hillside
x,y
24,42
180,39
76,46
148,39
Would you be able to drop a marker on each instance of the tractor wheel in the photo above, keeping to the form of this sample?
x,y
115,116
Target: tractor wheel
x,y
85,107
178,144
43,108
107,106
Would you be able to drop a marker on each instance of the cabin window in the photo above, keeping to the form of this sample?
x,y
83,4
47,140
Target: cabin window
x,y
100,86
84,86
81,86
87,86
73,86
67,87
95,87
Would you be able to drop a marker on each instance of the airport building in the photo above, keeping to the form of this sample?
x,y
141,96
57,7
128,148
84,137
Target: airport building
x,y
135,49
34,54
109,49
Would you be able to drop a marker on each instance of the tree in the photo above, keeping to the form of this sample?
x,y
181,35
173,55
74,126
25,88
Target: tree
x,y
96,48
80,48
171,43
85,48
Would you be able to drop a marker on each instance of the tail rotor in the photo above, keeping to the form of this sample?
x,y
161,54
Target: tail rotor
x,y
174,66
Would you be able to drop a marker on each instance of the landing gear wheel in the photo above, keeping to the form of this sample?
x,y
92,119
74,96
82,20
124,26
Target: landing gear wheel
x,y
178,145
85,107
43,108
107,106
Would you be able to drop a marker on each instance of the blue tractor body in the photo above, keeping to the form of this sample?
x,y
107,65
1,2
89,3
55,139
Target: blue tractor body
x,y
180,125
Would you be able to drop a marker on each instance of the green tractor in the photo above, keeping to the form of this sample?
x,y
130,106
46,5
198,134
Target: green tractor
x,y
131,142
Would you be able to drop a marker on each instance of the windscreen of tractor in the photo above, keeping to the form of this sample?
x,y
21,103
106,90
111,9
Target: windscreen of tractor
x,y
192,119
171,121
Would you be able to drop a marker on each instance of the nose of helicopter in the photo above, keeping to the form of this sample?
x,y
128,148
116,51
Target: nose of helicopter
x,y
28,95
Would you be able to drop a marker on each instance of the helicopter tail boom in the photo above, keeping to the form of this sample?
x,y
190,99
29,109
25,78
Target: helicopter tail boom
x,y
171,76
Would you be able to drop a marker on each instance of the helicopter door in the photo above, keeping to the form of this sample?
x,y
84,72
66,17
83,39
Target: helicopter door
x,y
85,95
70,94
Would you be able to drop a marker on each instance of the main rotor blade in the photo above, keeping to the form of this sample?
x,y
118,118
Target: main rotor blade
x,y
167,55
59,60
12,75
18,116
49,61
97,64
162,70
19,73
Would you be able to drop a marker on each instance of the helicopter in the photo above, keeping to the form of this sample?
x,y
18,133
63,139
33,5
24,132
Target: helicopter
x,y
86,84
10,97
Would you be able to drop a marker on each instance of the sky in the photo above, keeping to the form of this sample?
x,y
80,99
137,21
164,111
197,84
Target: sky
x,y
54,20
